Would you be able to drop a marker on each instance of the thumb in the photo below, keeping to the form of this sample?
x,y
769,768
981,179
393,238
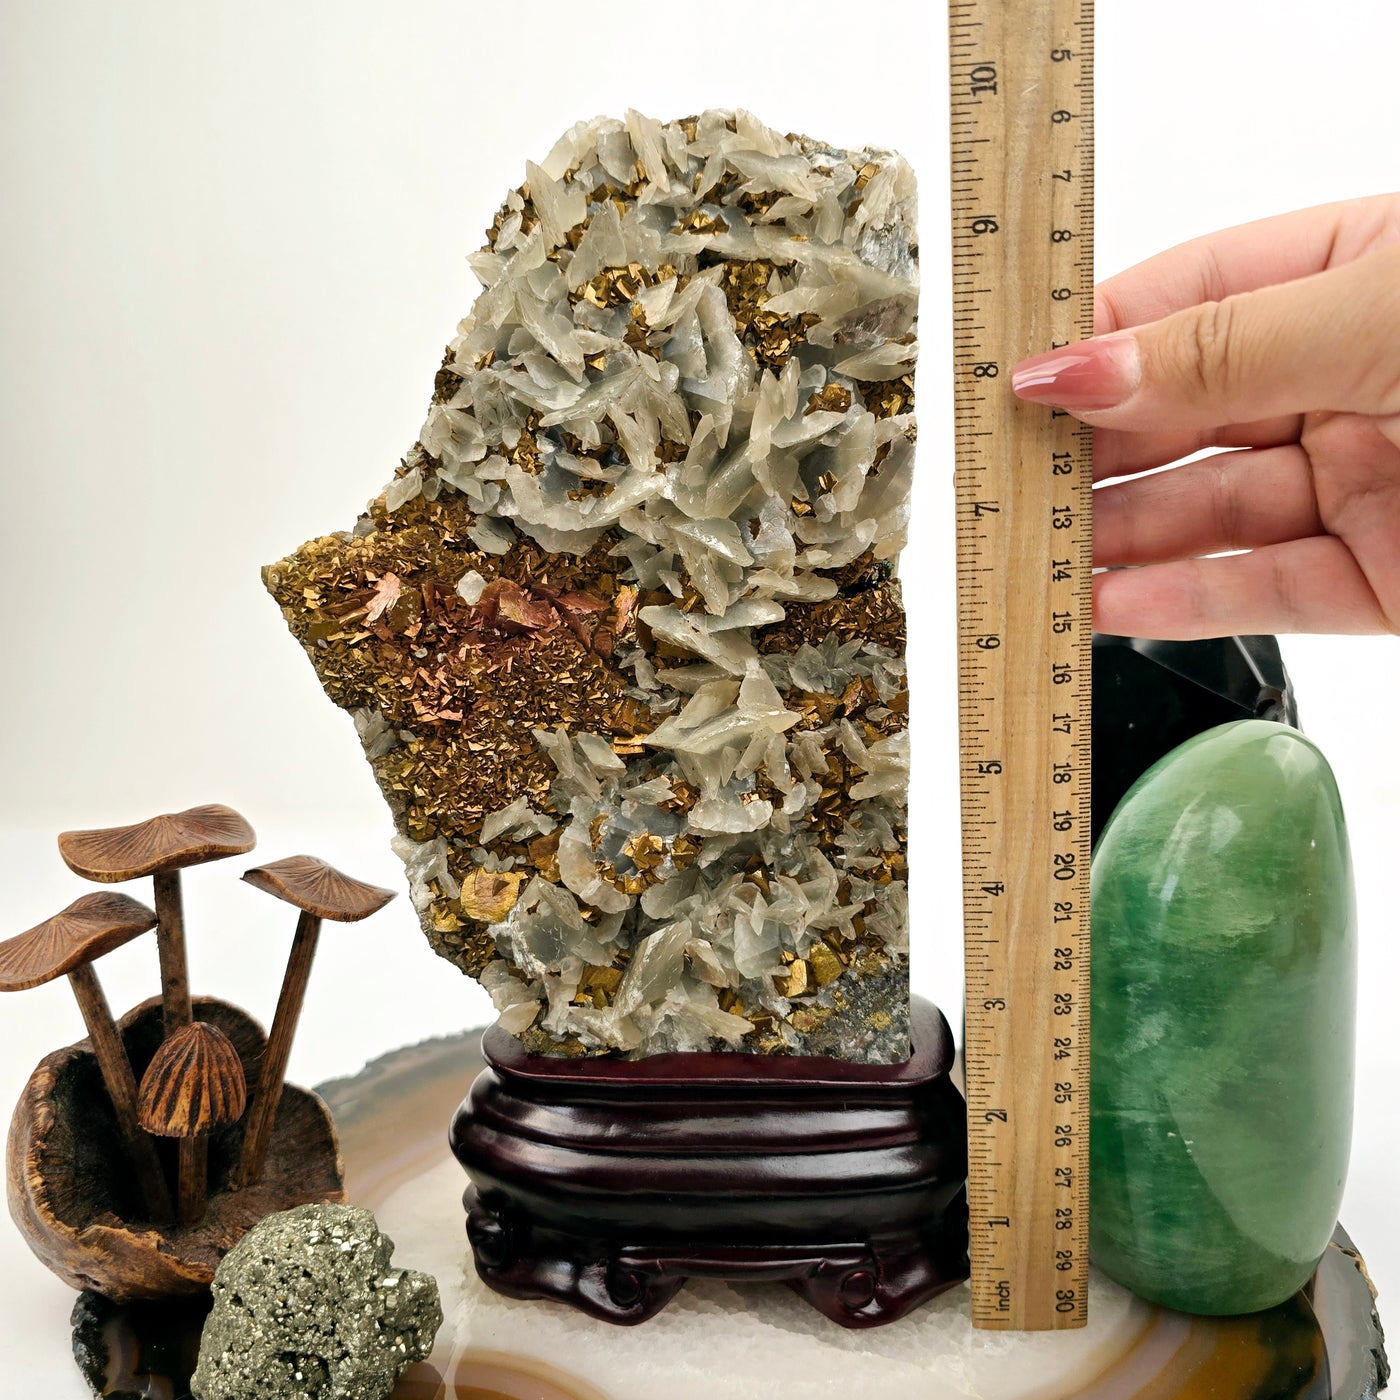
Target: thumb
x,y
1329,341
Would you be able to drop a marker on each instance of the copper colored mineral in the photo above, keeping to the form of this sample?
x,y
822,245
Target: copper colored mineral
x,y
622,637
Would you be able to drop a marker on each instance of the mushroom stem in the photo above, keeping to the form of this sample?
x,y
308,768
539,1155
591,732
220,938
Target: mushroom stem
x,y
194,1179
268,1095
121,1088
170,939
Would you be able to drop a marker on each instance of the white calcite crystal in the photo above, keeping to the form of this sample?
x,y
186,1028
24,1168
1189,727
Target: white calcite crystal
x,y
622,637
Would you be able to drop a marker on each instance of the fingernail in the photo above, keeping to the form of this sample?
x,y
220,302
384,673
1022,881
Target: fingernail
x,y
1084,378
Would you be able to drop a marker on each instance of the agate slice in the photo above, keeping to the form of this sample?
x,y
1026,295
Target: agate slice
x,y
760,1341
622,637
1224,987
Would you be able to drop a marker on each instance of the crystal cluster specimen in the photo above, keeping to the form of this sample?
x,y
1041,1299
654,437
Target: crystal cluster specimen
x,y
1224,994
622,637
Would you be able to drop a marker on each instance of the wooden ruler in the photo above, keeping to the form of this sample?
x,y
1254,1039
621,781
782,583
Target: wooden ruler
x,y
1023,278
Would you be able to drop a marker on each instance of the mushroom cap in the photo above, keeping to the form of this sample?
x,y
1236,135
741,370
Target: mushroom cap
x,y
168,842
86,930
194,1084
319,888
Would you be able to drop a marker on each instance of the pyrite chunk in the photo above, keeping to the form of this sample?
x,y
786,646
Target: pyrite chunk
x,y
622,637
307,1305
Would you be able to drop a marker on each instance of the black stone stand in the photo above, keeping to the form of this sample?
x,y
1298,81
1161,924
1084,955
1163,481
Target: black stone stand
x,y
607,1183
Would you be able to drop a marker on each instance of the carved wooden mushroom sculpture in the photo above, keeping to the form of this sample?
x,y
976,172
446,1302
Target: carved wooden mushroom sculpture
x,y
74,1197
70,943
161,848
193,1085
320,891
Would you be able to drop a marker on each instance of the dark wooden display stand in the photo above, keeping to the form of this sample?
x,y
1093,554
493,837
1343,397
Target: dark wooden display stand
x,y
607,1183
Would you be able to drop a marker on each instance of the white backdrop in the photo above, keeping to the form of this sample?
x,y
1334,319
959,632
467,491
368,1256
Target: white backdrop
x,y
231,251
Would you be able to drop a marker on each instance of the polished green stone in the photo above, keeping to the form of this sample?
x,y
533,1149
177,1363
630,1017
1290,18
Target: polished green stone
x,y
1224,989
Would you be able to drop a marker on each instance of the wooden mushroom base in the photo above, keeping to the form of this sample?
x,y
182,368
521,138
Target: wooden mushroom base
x,y
606,1184
75,1199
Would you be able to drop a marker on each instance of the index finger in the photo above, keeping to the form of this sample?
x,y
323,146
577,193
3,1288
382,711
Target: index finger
x,y
1245,258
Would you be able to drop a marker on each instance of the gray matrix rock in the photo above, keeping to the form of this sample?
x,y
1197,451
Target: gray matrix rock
x,y
307,1307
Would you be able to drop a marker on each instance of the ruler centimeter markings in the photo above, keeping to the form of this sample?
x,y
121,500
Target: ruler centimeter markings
x,y
1023,282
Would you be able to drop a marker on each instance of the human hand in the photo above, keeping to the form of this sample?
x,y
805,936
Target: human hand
x,y
1280,339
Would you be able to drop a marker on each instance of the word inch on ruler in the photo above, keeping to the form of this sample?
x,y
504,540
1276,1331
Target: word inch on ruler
x,y
1022,180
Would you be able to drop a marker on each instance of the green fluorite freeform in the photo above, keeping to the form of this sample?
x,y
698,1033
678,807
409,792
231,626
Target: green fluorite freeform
x,y
1224,989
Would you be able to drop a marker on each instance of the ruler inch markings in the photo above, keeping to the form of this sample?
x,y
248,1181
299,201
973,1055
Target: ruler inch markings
x,y
1021,74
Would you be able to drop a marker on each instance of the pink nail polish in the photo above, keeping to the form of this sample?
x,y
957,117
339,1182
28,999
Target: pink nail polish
x,y
1084,378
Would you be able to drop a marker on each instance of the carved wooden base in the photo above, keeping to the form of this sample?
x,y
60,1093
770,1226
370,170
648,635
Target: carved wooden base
x,y
606,1184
